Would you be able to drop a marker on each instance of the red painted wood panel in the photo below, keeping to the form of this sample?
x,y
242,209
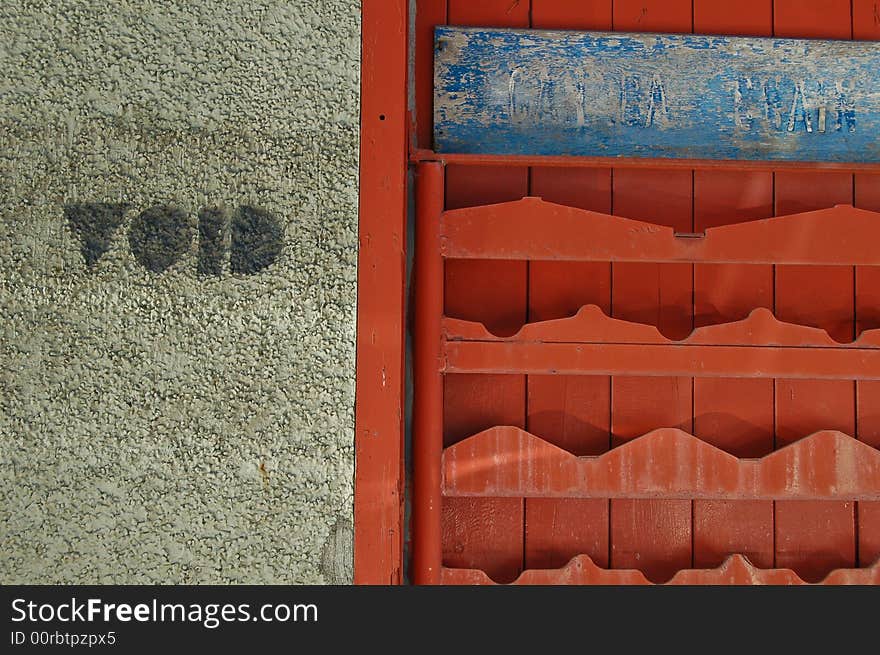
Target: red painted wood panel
x,y
567,15
744,417
733,414
815,19
379,406
653,16
573,412
489,13
867,196
814,537
866,25
485,531
653,535
429,13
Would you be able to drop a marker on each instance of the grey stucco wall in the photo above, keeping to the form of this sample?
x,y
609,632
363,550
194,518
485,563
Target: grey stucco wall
x,y
177,427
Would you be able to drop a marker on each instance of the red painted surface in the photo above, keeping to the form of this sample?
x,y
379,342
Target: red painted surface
x,y
735,570
428,393
734,414
379,410
666,476
530,228
866,187
665,463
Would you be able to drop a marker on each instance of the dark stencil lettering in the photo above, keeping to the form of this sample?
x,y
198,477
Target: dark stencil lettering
x,y
257,239
159,237
213,227
94,224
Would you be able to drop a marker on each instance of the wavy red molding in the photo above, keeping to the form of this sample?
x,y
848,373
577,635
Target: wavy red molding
x,y
665,463
592,325
592,343
534,229
736,570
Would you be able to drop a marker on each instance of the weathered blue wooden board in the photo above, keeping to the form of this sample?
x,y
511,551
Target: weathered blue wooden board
x,y
527,92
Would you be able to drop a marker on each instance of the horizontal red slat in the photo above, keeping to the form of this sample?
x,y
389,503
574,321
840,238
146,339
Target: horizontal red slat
x,y
566,161
666,463
536,230
736,570
662,360
592,325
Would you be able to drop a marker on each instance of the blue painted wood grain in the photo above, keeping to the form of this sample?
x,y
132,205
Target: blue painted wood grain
x,y
529,92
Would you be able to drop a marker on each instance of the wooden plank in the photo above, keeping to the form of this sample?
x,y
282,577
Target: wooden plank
x,y
734,414
619,163
591,325
866,26
573,412
744,18
564,14
427,399
653,536
498,13
379,410
665,96
533,229
429,14
736,570
867,195
813,538
485,533
506,461
824,370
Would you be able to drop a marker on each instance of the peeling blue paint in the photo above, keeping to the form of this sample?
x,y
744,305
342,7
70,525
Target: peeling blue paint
x,y
528,92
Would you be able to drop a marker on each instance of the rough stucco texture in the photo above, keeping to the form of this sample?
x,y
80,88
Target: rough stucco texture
x,y
176,426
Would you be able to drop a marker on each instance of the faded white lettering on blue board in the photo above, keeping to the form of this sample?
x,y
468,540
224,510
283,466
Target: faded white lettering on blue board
x,y
602,94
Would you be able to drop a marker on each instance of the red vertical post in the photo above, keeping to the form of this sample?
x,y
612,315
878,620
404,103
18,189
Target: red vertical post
x,y
427,361
379,465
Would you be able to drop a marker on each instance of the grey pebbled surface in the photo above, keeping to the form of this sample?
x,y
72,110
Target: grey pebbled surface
x,y
174,427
